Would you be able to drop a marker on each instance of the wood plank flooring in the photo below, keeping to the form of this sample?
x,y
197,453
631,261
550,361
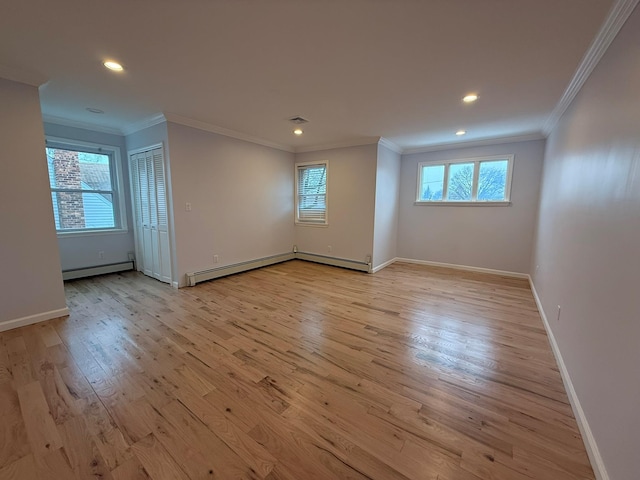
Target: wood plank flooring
x,y
296,371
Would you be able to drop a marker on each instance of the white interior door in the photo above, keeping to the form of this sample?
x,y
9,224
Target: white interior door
x,y
145,208
153,216
162,217
136,206
152,222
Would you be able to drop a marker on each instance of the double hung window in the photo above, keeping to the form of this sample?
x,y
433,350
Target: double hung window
x,y
311,193
84,182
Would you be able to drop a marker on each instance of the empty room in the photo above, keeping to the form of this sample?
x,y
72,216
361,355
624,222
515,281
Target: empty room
x,y
314,240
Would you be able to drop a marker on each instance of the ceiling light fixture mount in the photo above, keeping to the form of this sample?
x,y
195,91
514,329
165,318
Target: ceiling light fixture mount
x,y
298,120
115,66
461,132
94,110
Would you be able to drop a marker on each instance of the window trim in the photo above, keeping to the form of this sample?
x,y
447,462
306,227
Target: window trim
x,y
115,166
297,220
476,172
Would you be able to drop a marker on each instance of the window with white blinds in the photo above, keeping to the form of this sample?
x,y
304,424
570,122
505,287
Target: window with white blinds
x,y
311,193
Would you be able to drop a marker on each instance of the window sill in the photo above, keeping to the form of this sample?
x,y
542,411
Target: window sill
x,y
92,233
465,204
302,224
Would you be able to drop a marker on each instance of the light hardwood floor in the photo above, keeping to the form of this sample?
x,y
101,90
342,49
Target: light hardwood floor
x,y
296,371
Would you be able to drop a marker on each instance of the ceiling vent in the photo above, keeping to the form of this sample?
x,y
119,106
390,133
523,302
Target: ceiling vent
x,y
298,120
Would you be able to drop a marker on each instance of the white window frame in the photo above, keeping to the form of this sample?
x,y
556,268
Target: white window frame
x,y
476,172
115,165
297,197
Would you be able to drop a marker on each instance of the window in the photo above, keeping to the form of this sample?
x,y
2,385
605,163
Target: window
x,y
84,181
311,193
484,180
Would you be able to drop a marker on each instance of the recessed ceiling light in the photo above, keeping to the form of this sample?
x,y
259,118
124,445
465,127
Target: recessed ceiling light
x,y
115,66
298,131
461,132
472,97
94,110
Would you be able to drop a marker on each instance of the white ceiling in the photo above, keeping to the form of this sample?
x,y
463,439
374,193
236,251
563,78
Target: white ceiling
x,y
354,68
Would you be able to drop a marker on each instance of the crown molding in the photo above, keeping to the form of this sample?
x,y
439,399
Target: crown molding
x,y
330,146
208,127
390,145
617,17
142,124
178,119
78,124
22,76
475,143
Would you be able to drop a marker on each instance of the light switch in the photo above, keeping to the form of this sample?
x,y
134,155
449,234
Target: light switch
x,y
187,206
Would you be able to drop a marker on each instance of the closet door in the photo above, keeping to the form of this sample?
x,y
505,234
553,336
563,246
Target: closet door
x,y
145,207
138,189
150,210
162,218
153,216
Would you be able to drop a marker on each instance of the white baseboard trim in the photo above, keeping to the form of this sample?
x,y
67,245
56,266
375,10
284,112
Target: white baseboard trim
x,y
593,452
31,319
97,270
503,273
385,264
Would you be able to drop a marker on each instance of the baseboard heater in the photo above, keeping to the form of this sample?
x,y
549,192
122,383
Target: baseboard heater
x,y
204,275
97,270
336,262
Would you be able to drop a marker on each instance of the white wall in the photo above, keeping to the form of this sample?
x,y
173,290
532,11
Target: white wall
x,y
588,249
351,188
147,137
498,238
81,251
387,206
31,282
241,199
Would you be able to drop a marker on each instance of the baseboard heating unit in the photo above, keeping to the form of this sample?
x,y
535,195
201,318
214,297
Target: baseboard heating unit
x,y
97,270
204,275
336,262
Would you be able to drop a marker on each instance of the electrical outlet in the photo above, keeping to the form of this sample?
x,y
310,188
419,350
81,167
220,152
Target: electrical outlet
x,y
537,268
101,254
559,308
216,259
329,248
187,206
